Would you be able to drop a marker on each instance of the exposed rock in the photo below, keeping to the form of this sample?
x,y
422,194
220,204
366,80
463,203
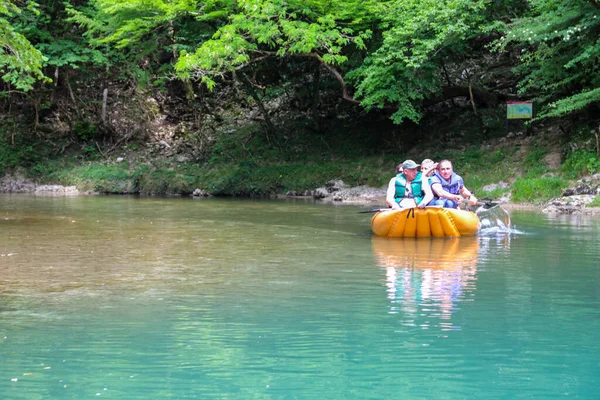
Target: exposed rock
x,y
574,204
513,134
359,194
335,186
294,193
17,183
505,199
575,199
579,190
200,193
494,186
16,186
320,193
57,189
552,160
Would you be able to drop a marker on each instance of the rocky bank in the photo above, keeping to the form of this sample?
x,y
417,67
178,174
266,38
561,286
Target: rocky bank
x,y
574,200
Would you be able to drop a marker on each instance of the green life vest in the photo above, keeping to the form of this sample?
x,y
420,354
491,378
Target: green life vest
x,y
415,185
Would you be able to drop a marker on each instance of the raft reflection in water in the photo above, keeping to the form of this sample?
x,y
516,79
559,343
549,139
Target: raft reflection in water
x,y
427,277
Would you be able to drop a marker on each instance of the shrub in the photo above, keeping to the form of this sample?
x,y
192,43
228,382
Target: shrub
x,y
595,202
581,162
537,190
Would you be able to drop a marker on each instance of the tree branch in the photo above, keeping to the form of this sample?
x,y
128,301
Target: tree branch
x,y
345,92
338,76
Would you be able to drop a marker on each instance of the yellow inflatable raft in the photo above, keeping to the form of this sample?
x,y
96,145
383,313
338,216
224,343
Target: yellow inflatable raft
x,y
431,221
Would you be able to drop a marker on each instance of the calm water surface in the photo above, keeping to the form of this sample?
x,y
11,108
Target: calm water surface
x,y
147,298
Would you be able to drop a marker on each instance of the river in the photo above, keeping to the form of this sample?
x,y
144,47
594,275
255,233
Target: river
x,y
154,298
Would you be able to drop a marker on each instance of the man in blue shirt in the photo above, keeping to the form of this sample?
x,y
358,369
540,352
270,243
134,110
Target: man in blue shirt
x,y
449,188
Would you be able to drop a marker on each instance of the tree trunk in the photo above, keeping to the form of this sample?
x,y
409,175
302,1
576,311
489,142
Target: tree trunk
x,y
316,98
471,95
448,81
35,99
481,124
248,85
69,88
105,99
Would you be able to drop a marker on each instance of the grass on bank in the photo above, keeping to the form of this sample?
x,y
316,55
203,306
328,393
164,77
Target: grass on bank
x,y
595,202
247,162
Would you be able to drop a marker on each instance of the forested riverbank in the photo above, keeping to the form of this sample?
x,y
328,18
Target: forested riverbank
x,y
263,98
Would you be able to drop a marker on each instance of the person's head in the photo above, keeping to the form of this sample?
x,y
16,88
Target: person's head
x,y
410,169
445,169
426,165
399,169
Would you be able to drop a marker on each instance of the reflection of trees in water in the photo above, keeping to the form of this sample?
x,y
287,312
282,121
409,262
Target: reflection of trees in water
x,y
426,277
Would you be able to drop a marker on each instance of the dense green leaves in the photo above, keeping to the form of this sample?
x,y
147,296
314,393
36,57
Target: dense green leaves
x,y
20,63
420,36
559,54
398,55
277,28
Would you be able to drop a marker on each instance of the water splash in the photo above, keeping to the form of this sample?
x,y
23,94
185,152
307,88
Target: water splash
x,y
495,221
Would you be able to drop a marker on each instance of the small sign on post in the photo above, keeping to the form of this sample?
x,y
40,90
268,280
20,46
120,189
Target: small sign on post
x,y
519,110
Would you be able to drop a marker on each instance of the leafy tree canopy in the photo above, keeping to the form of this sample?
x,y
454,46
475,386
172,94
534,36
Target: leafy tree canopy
x,y
559,54
276,28
154,30
20,63
418,37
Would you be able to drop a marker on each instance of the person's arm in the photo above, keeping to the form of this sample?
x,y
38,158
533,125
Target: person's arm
x,y
428,172
466,193
390,197
440,192
428,193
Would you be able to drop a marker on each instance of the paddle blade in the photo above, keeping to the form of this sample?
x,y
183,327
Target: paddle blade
x,y
495,217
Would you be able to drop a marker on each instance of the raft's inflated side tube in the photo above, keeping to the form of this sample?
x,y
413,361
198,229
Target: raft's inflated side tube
x,y
432,221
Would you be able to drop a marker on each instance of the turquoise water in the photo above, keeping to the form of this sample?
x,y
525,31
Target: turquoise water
x,y
147,298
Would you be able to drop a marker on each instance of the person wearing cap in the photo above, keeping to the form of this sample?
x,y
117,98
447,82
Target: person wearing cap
x,y
408,189
449,188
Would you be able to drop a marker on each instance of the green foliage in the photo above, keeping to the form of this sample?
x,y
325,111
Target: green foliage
x,y
277,28
581,162
536,157
147,35
20,63
24,153
537,190
534,164
108,178
419,37
9,158
559,51
595,202
85,130
73,53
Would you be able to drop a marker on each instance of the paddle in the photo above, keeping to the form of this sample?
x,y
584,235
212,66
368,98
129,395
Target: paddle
x,y
375,210
486,205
